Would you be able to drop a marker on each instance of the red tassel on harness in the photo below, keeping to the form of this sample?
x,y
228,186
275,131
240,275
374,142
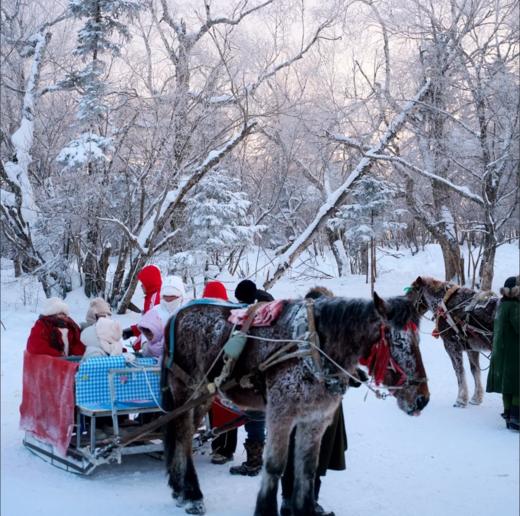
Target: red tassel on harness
x,y
378,360
435,333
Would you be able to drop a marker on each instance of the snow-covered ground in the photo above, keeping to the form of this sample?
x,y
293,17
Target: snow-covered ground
x,y
448,461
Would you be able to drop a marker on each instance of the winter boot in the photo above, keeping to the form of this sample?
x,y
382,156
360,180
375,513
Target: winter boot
x,y
252,466
513,423
320,511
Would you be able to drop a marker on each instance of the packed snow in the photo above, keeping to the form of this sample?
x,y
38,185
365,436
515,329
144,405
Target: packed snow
x,y
449,461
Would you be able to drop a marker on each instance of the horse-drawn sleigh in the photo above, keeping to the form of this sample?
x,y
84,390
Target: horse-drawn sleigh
x,y
296,370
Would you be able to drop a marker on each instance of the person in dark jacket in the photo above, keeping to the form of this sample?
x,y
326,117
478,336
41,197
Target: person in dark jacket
x,y
55,333
246,292
503,376
332,449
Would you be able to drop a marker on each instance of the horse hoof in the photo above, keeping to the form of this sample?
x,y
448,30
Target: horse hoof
x,y
196,507
474,401
180,501
459,404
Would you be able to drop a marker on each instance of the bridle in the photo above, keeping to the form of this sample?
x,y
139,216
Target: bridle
x,y
380,360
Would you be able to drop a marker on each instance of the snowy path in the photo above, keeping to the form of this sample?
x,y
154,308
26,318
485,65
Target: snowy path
x,y
448,461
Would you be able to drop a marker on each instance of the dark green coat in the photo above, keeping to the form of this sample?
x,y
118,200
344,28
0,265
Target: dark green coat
x,y
503,373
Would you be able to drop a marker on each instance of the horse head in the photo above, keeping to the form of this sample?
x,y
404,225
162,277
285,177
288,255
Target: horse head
x,y
426,293
401,368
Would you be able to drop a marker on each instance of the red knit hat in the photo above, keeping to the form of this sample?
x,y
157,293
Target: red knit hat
x,y
216,290
150,277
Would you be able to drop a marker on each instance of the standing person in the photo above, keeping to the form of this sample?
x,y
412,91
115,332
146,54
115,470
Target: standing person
x,y
173,295
151,282
55,333
332,449
223,446
246,292
503,376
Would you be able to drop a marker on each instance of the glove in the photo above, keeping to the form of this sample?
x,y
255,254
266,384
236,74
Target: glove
x,y
129,357
127,333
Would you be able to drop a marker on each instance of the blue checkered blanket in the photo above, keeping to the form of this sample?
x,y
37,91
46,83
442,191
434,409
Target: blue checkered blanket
x,y
135,387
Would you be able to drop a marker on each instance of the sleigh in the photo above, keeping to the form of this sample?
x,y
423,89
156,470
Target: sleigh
x,y
64,399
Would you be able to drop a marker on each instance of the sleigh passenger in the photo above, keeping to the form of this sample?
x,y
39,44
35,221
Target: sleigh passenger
x,y
103,339
98,307
55,333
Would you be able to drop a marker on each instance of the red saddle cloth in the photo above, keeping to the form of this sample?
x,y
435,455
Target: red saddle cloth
x,y
266,315
47,409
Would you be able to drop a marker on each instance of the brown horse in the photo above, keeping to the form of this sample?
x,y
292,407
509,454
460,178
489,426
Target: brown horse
x,y
464,321
300,392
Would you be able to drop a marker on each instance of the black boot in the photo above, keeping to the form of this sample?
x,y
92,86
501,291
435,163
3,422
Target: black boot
x,y
252,466
513,423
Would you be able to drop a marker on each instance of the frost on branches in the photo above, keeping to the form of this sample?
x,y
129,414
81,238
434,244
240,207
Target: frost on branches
x,y
218,222
88,148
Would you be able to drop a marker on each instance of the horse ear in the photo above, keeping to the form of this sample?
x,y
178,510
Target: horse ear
x,y
380,305
418,282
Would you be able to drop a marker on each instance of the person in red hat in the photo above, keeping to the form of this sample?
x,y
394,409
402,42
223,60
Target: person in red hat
x,y
151,283
222,447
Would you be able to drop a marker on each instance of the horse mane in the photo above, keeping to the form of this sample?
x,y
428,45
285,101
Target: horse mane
x,y
339,319
401,310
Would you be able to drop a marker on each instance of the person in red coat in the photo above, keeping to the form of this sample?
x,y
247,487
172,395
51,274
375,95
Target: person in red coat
x,y
55,333
151,283
222,447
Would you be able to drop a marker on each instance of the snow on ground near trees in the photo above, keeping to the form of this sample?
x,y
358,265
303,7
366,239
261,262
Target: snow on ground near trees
x,y
448,461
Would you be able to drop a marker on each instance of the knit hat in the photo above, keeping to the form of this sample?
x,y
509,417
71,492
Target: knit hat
x,y
55,306
98,308
109,334
150,277
246,292
173,286
216,290
511,287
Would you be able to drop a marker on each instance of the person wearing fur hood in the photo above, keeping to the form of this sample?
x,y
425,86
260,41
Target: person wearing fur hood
x,y
173,296
151,326
503,376
98,308
55,333
102,339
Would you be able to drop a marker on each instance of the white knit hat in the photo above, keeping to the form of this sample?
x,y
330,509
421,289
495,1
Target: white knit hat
x,y
173,286
54,306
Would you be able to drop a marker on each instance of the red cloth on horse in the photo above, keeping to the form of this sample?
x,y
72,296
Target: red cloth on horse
x,y
47,409
264,316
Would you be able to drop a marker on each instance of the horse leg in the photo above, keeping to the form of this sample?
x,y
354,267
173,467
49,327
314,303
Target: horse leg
x,y
306,454
474,364
182,477
455,353
275,459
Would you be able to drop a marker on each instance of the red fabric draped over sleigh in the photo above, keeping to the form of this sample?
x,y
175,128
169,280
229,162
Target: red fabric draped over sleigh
x,y
47,409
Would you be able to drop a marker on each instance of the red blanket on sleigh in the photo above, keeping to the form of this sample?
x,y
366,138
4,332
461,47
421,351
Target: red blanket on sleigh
x,y
47,409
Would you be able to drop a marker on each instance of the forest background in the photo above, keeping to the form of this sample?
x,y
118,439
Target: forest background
x,y
198,131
